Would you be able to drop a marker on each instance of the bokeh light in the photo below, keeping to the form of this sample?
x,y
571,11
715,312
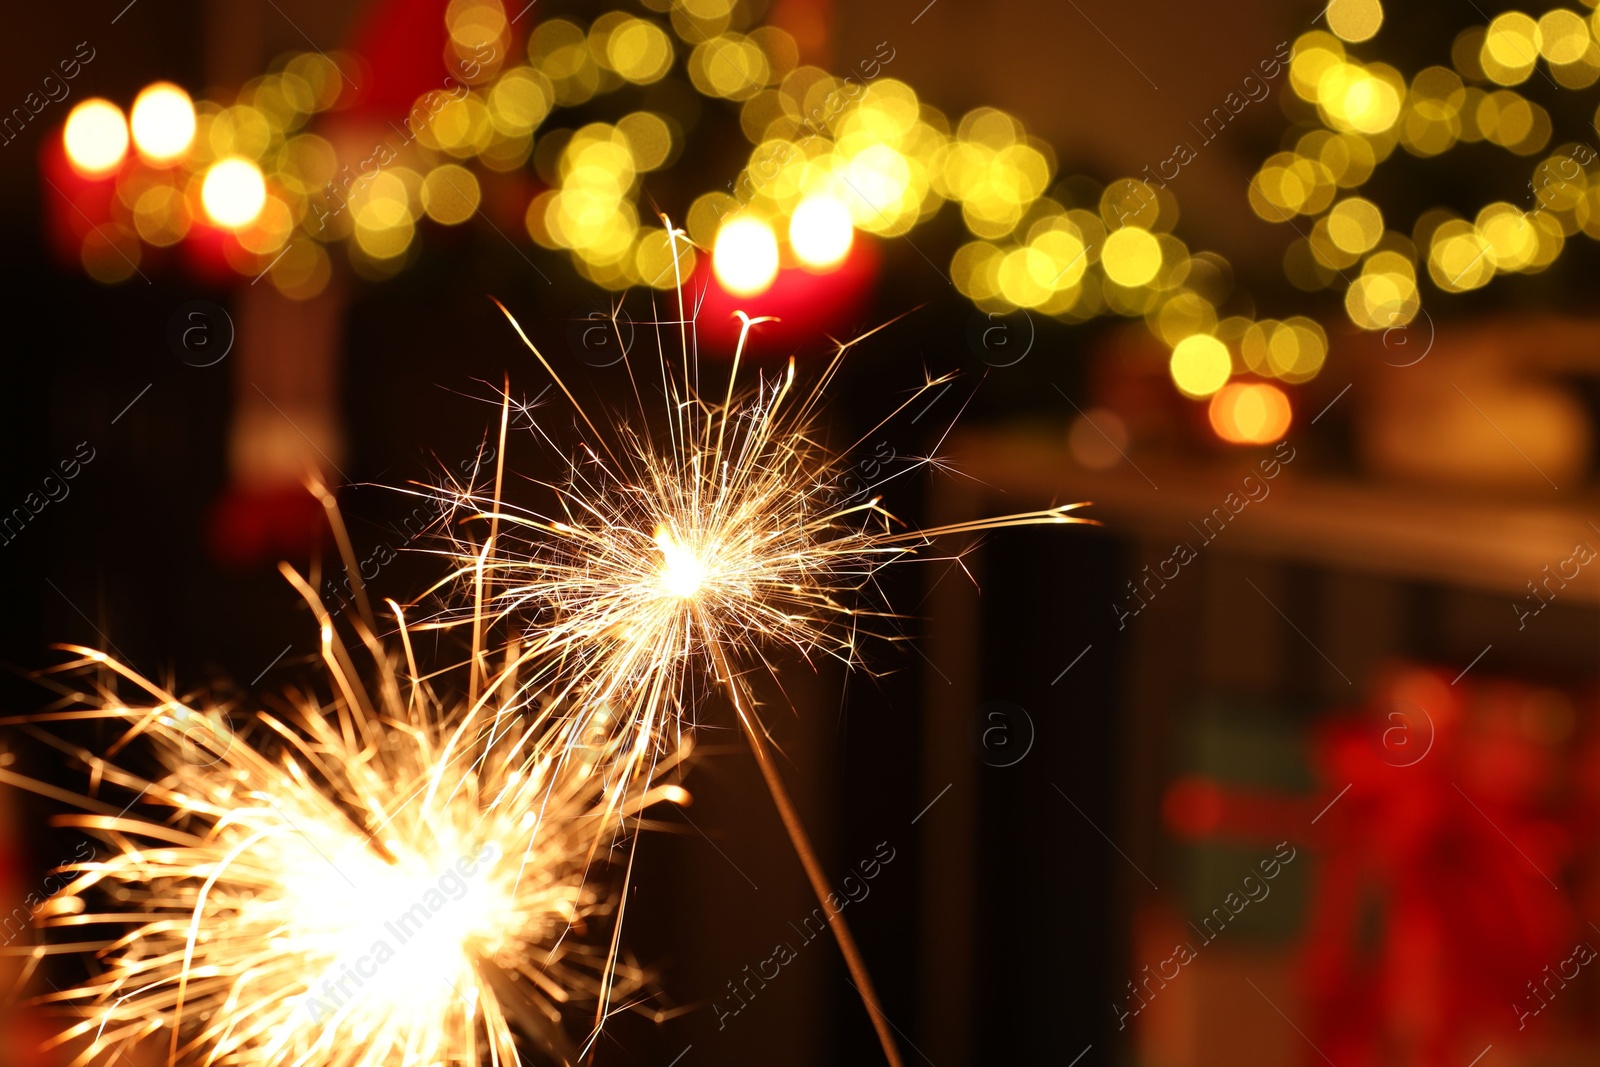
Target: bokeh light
x,y
1355,20
1131,256
234,192
640,51
820,232
1200,365
827,158
96,137
450,194
1250,413
1510,48
163,122
745,257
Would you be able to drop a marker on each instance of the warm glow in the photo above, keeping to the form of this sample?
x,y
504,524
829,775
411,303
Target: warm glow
x,y
234,193
820,232
745,257
163,122
1355,20
1201,365
1250,413
96,138
681,573
1131,256
1098,439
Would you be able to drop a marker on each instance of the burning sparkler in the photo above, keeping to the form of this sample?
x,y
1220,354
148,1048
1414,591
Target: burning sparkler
x,y
396,878
686,546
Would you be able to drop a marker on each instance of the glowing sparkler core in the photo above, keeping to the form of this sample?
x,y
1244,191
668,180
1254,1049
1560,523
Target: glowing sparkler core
x,y
396,876
682,574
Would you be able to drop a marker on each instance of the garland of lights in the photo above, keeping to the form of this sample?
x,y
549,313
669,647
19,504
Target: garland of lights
x,y
831,156
1365,111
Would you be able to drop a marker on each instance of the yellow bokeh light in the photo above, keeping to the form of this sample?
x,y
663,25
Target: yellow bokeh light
x,y
1066,254
640,51
473,22
1355,20
1510,48
559,50
649,139
1288,184
1381,299
163,122
384,201
878,179
1563,36
240,130
745,256
1024,277
319,74
1513,122
1355,98
109,254
301,271
1293,350
270,230
450,194
662,261
1315,54
1250,413
1298,349
386,242
1459,258
161,216
1513,242
974,268
520,101
1187,312
96,137
1131,256
1433,122
731,66
820,232
234,193
1355,224
1200,365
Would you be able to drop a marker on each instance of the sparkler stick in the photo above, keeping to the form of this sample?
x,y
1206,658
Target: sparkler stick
x,y
808,857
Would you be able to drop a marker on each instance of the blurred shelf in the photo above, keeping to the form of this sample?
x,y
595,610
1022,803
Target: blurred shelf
x,y
1493,542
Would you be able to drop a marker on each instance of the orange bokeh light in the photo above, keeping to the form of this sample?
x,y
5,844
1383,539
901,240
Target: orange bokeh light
x,y
1250,413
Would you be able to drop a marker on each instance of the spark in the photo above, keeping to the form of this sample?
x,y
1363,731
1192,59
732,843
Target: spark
x,y
681,548
381,874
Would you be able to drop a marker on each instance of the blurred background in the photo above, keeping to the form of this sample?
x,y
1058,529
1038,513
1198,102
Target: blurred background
x,y
1292,760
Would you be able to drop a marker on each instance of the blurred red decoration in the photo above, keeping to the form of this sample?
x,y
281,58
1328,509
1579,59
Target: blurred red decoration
x,y
1447,830
807,304
73,204
1445,839
246,528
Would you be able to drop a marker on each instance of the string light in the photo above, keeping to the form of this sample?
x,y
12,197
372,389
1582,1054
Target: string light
x,y
830,157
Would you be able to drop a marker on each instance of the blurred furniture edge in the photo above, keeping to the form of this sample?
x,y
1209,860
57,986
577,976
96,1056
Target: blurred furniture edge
x,y
1494,544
